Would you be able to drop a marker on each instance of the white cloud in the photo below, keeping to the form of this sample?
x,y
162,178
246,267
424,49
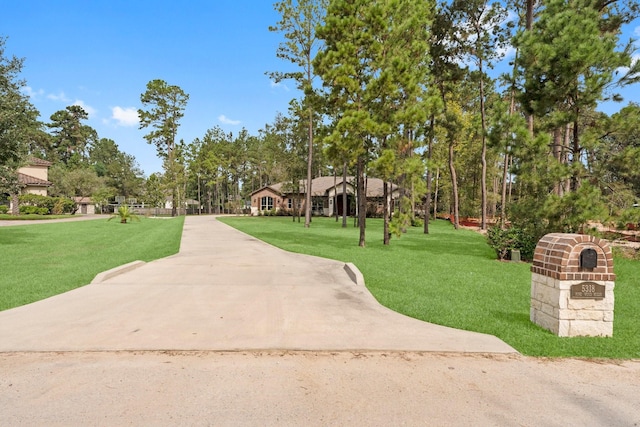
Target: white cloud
x,y
33,94
637,31
125,116
227,121
279,85
58,97
89,109
621,71
507,52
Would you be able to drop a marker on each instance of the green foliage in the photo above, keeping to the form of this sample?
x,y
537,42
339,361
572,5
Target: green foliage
x,y
18,121
570,213
4,209
165,107
70,137
503,241
33,210
124,213
629,216
49,205
119,171
401,218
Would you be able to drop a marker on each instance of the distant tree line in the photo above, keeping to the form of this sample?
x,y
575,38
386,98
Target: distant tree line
x,y
403,90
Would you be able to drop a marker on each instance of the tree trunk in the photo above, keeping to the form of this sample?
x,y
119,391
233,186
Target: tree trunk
x,y
427,199
577,154
307,209
503,196
344,195
361,201
385,213
335,194
435,195
483,180
565,155
15,204
174,195
454,187
528,27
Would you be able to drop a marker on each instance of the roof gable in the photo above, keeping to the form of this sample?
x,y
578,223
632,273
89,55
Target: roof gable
x,y
34,161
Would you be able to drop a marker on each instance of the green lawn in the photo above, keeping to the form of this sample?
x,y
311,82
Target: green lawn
x,y
452,278
31,217
41,260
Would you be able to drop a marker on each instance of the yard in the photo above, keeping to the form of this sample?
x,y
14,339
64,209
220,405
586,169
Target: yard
x,y
452,278
448,277
41,260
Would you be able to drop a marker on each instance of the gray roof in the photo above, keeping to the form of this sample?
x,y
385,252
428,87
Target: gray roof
x,y
320,186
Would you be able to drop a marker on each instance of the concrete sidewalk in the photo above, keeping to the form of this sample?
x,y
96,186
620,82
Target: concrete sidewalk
x,y
224,291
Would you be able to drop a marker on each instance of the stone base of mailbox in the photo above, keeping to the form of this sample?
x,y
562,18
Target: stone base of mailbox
x,y
557,267
553,309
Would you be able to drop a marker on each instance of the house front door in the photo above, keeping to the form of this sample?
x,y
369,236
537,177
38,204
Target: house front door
x,y
351,206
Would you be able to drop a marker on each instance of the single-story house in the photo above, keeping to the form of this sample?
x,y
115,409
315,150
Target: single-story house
x,y
85,205
325,193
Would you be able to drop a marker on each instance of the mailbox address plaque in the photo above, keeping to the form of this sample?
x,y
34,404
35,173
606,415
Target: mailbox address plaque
x,y
587,290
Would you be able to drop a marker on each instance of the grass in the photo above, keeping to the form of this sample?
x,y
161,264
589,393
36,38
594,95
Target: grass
x,y
41,260
31,217
452,278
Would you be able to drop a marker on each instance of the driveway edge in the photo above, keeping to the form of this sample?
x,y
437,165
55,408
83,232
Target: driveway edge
x,y
106,275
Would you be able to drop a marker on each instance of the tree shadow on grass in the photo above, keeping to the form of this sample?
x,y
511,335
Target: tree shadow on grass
x,y
13,236
448,244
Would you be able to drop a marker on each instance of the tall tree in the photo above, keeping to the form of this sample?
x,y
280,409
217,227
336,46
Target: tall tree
x,y
569,59
165,106
71,138
345,65
18,123
374,67
482,33
299,20
119,170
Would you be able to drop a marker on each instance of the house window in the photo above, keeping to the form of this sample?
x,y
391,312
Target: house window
x,y
266,203
317,204
289,204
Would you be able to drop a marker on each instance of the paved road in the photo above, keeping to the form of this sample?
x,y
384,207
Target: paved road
x,y
232,331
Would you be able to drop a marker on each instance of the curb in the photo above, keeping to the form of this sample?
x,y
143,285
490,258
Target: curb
x,y
354,274
106,275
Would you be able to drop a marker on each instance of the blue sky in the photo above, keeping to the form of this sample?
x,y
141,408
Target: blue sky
x,y
100,54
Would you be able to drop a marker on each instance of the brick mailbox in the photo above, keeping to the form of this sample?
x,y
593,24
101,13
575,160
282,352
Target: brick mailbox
x,y
572,285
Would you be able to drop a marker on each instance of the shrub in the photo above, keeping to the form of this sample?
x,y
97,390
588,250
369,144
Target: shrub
x,y
4,209
63,205
55,205
503,241
33,210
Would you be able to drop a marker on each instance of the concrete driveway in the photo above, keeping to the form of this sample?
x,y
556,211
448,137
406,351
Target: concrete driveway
x,y
225,290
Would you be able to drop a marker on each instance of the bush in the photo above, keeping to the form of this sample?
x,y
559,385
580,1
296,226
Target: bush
x,y
63,205
33,210
4,209
55,205
36,200
503,241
